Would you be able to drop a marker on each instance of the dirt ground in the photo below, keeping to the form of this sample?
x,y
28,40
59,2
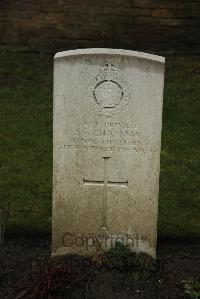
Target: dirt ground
x,y
178,262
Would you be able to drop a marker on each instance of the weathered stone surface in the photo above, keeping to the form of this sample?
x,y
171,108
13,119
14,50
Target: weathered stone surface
x,y
107,132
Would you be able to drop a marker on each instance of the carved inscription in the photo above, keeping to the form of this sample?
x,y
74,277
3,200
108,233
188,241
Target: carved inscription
x,y
108,92
106,137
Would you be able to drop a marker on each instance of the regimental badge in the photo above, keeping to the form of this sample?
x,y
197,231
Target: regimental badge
x,y
108,92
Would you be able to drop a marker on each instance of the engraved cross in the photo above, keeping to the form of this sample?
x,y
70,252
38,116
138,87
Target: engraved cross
x,y
105,183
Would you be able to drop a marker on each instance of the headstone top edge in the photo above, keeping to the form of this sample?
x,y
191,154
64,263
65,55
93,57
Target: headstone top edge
x,y
106,51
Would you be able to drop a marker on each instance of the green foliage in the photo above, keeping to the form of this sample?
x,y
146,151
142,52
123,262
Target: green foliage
x,y
192,288
120,257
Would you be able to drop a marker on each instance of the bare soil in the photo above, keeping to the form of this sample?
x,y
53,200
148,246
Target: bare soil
x,y
177,261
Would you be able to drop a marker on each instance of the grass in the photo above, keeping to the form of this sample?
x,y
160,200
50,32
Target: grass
x,y
179,203
26,143
26,137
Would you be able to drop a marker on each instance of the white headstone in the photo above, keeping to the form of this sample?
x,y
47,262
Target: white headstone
x,y
107,137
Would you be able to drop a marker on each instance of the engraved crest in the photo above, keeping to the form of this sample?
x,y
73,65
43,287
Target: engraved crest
x,y
108,92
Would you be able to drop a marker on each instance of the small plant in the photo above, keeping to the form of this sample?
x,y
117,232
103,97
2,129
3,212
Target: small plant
x,y
120,257
4,216
46,282
192,288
